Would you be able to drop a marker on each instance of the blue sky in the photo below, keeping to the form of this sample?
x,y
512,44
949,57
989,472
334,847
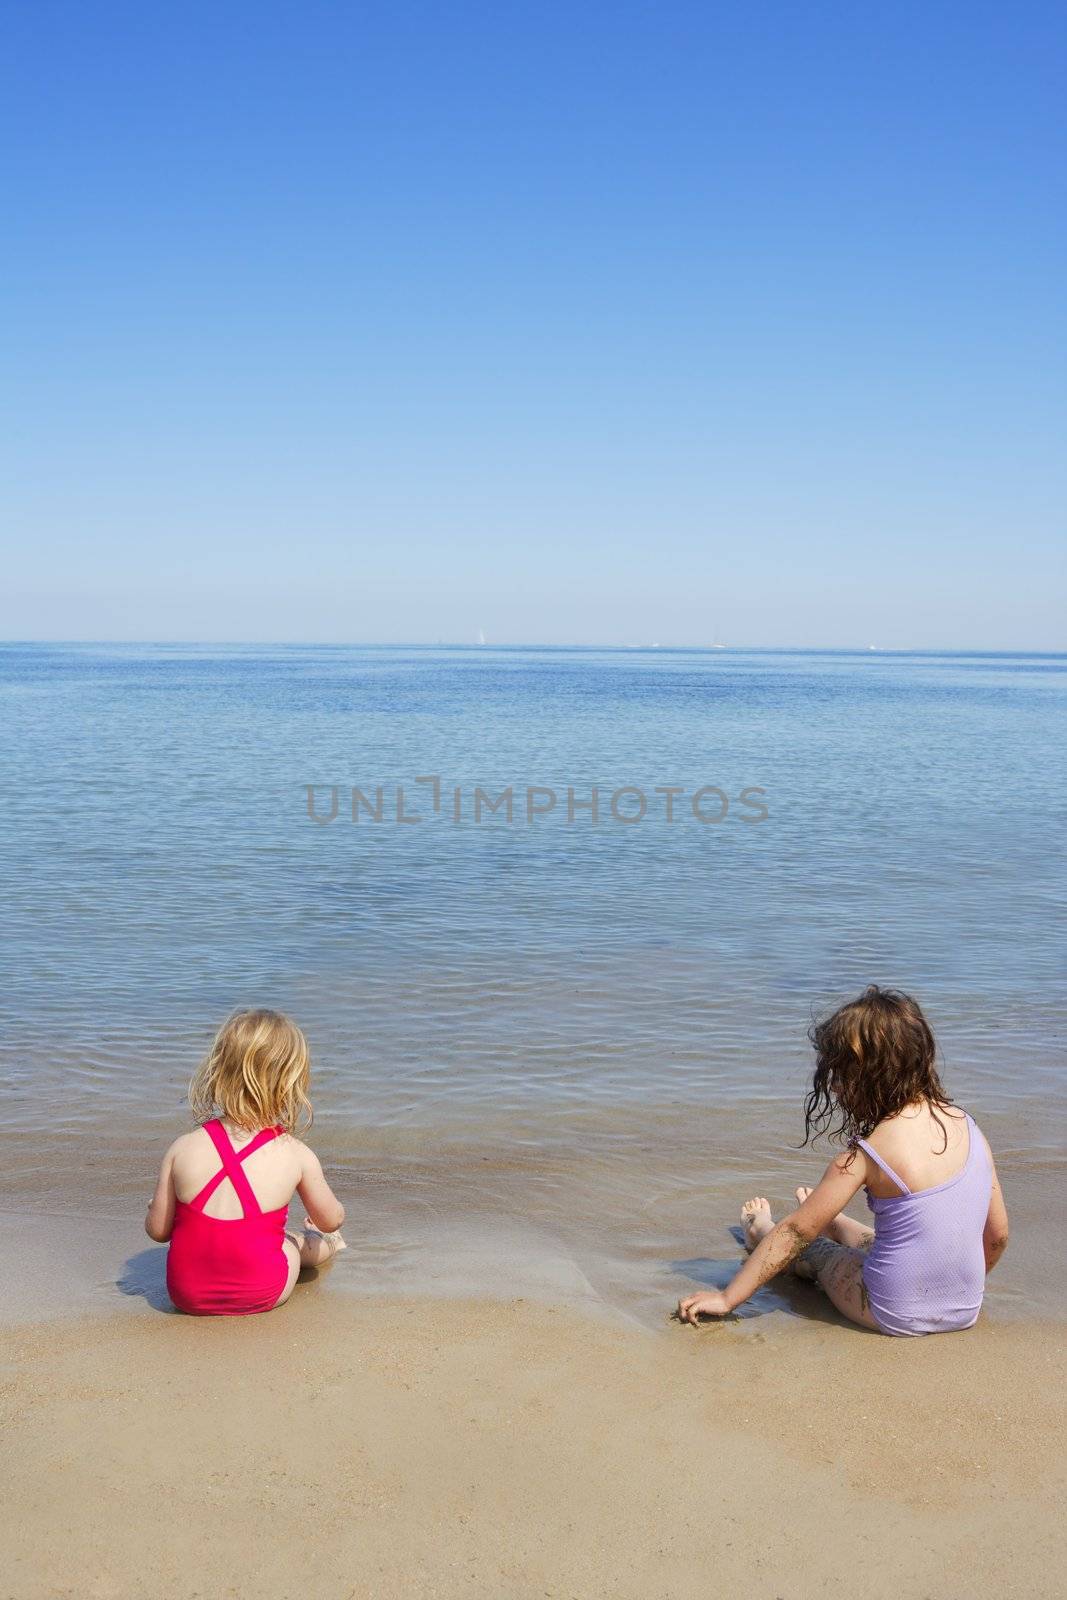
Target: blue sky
x,y
602,323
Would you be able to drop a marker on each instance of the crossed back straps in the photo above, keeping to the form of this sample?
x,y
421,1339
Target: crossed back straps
x,y
232,1168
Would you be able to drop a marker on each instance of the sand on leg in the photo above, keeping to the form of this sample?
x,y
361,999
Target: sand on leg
x,y
838,1271
836,1268
843,1230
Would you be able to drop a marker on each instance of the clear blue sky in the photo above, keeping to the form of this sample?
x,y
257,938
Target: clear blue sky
x,y
602,322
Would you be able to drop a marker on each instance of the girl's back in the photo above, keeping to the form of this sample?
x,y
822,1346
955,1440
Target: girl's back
x,y
273,1171
229,1261
930,1192
923,1149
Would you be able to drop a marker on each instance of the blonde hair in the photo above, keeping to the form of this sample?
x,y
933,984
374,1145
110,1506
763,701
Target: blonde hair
x,y
256,1074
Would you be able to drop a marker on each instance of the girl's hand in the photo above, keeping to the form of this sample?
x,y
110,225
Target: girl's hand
x,y
710,1303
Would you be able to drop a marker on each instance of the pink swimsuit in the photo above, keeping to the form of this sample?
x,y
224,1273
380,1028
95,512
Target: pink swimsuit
x,y
219,1267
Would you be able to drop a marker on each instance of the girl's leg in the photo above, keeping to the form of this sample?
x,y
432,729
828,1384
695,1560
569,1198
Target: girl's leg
x,y
838,1271
310,1249
291,1247
836,1268
842,1229
317,1247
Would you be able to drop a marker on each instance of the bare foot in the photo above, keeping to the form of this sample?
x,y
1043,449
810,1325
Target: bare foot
x,y
333,1238
756,1220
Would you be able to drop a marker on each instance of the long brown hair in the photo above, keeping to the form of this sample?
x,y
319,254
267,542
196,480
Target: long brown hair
x,y
873,1057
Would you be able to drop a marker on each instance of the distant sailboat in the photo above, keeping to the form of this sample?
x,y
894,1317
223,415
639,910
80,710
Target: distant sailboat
x,y
716,642
481,635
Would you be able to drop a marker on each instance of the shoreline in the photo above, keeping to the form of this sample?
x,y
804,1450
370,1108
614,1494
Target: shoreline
x,y
64,1264
629,1219
465,1447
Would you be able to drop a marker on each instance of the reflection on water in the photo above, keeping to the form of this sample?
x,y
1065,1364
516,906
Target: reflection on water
x,y
592,1031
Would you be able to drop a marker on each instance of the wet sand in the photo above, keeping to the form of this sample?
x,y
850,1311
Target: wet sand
x,y
346,1447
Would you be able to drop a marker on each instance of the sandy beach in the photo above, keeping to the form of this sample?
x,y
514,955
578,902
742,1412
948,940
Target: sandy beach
x,y
348,1447
469,1404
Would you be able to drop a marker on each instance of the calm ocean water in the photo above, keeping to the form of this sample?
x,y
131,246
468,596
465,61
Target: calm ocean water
x,y
594,1032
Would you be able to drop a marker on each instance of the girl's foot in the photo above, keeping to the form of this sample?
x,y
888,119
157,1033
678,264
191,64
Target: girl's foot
x,y
333,1238
756,1221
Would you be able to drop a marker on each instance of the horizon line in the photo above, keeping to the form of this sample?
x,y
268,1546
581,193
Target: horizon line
x,y
508,644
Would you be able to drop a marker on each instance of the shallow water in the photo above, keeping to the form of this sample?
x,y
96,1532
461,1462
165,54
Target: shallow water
x,y
548,1038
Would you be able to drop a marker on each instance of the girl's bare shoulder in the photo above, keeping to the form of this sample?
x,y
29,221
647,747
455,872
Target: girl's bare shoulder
x,y
187,1140
917,1118
289,1141
918,1133
184,1145
298,1149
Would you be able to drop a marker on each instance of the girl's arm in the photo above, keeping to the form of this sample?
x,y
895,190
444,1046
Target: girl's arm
x,y
786,1241
159,1222
995,1233
320,1202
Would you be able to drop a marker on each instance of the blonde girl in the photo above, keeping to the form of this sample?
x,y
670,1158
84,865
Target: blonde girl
x,y
222,1199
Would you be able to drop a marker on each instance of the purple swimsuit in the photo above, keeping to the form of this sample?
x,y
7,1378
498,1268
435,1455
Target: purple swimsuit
x,y
925,1271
